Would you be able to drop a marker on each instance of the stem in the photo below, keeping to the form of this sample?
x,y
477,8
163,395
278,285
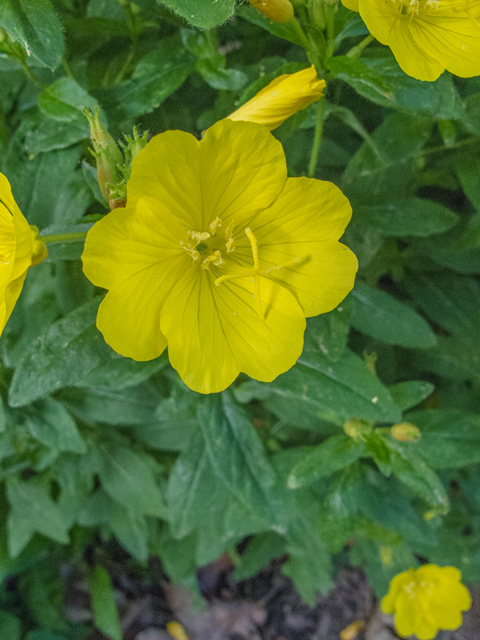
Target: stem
x,y
442,147
63,237
301,34
357,50
330,18
32,76
66,66
317,138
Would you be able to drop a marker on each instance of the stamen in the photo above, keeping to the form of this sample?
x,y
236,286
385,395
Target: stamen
x,y
215,225
199,236
215,258
256,270
191,250
229,237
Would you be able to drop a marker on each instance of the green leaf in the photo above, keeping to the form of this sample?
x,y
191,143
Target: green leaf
x,y
260,551
409,394
331,391
380,315
281,30
64,100
438,99
235,450
332,455
32,508
218,77
103,603
369,83
370,178
200,13
35,25
450,438
450,300
452,359
329,331
51,424
127,477
159,74
41,634
408,217
69,351
412,471
10,626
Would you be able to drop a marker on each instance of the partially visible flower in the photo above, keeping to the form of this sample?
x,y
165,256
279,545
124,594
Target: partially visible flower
x,y
276,10
426,36
280,99
426,600
220,255
19,250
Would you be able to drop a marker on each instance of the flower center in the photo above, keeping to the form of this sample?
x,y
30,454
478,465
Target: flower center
x,y
206,248
412,8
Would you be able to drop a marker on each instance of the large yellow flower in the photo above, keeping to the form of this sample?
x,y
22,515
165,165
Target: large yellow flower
x,y
426,600
280,99
426,36
19,249
219,255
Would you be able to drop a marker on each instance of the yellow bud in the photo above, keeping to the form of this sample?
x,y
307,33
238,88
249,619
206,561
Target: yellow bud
x,y
357,429
351,632
405,432
276,10
176,630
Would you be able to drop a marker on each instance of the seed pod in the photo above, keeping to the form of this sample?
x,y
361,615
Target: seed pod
x,y
276,10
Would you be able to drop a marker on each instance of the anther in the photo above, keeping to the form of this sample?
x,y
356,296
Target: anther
x,y
215,225
199,236
215,259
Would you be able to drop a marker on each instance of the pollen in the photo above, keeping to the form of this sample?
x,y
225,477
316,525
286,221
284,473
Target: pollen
x,y
215,259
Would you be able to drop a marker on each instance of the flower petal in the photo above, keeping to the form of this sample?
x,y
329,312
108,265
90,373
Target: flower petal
x,y
386,24
129,316
214,332
126,242
305,223
453,40
237,170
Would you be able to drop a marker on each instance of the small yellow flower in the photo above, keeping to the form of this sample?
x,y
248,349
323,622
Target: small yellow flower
x,y
220,255
280,99
426,36
19,250
426,600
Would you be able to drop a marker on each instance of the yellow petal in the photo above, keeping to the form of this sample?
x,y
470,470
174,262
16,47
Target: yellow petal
x,y
214,332
304,224
237,170
280,99
351,4
384,23
126,242
7,246
451,39
12,293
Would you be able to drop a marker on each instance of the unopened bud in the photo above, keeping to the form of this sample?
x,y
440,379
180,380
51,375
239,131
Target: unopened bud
x,y
317,14
276,10
106,153
358,429
405,432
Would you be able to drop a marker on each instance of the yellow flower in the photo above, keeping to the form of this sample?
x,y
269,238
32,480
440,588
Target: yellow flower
x,y
426,600
426,36
19,250
220,255
280,99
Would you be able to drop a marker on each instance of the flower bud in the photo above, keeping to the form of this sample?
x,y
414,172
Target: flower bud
x,y
358,429
106,153
276,10
280,99
405,432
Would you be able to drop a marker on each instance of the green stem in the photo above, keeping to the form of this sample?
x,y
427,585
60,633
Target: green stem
x,y
442,147
66,66
357,50
330,19
32,76
63,237
301,34
317,140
